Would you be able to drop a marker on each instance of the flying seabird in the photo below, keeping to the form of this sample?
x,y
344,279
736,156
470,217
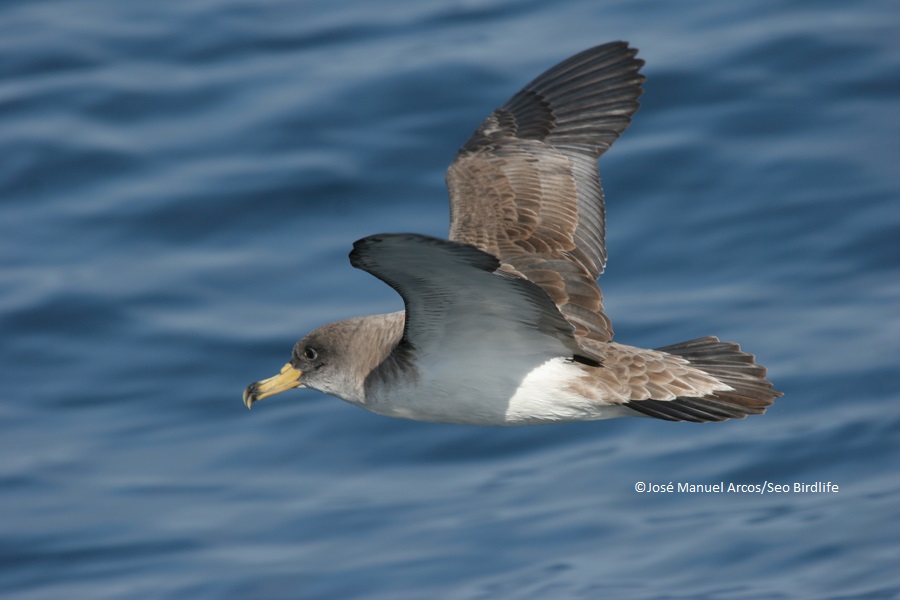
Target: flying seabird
x,y
504,323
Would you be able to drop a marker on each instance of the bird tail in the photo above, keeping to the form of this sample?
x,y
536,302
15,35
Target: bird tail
x,y
750,392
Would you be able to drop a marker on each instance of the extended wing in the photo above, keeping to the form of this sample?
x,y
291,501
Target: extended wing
x,y
454,294
525,187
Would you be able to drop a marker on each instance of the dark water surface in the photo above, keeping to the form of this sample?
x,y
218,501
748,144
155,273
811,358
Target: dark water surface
x,y
179,188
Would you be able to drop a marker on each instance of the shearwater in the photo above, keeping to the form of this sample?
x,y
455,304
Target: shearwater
x,y
504,322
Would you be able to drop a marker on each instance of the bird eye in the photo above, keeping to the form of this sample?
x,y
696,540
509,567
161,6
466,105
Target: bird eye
x,y
310,354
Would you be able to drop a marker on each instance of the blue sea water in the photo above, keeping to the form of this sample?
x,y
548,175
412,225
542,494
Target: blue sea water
x,y
181,183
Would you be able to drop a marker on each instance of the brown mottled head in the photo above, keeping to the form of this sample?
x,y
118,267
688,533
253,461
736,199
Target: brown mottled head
x,y
335,358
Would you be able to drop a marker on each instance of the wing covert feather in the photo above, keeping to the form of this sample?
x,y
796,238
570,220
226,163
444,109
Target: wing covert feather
x,y
525,187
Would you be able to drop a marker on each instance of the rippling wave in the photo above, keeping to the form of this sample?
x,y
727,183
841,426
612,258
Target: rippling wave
x,y
181,183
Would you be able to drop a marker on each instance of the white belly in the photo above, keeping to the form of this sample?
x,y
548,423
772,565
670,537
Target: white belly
x,y
532,392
